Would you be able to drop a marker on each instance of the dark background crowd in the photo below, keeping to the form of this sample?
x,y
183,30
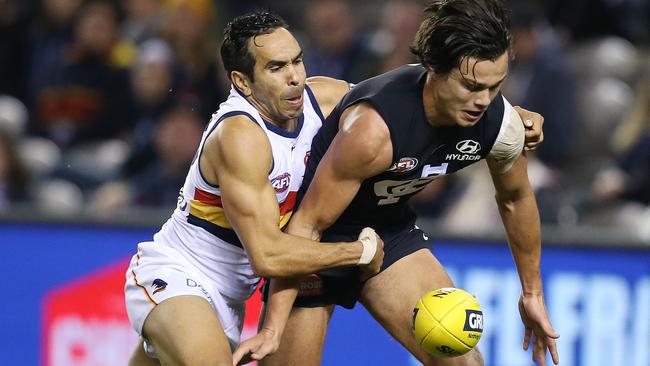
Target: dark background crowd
x,y
103,103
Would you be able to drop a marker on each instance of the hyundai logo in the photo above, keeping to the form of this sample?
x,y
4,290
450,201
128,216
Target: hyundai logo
x,y
468,147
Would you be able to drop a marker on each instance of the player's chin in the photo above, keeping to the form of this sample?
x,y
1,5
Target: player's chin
x,y
293,113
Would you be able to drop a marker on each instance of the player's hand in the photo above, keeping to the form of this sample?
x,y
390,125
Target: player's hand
x,y
533,123
256,348
372,268
538,328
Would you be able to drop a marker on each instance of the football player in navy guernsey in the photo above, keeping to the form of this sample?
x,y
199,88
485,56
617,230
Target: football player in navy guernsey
x,y
386,140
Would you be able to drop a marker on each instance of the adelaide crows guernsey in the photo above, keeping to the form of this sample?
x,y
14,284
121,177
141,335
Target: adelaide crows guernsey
x,y
199,228
421,152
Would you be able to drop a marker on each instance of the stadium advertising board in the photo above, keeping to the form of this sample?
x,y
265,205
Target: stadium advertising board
x,y
63,302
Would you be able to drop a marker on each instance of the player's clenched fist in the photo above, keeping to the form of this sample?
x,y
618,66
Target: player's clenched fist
x,y
372,256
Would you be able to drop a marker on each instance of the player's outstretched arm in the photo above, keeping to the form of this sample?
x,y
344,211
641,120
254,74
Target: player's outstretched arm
x,y
282,294
251,206
518,209
278,307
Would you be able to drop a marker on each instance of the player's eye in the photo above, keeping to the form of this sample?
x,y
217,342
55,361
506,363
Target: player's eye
x,y
474,87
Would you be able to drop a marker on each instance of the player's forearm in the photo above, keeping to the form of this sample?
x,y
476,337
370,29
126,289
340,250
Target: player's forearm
x,y
290,256
521,221
282,294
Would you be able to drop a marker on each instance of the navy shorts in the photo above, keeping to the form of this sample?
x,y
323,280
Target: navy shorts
x,y
343,286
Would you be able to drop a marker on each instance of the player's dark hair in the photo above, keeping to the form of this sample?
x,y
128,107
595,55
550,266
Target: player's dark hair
x,y
454,29
235,53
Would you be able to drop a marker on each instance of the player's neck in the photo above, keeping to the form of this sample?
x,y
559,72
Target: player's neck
x,y
434,115
286,124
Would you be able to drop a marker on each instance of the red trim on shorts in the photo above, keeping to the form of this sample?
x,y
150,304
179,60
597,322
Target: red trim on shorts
x,y
135,279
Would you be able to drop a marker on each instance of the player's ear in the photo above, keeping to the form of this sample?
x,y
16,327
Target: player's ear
x,y
241,82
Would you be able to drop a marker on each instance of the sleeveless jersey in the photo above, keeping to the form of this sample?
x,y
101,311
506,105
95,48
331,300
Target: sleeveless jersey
x,y
421,152
199,228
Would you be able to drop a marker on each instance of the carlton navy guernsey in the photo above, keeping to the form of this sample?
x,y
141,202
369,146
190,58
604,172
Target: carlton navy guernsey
x,y
421,152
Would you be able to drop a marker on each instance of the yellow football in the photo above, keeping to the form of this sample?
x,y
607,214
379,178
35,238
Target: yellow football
x,y
447,322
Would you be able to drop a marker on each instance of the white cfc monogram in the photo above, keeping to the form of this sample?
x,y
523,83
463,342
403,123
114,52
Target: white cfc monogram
x,y
392,190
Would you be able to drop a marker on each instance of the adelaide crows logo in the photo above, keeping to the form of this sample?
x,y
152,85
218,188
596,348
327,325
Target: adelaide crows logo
x,y
159,285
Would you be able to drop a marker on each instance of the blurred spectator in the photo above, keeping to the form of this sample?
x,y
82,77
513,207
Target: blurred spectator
x,y
620,191
176,141
399,23
143,20
540,80
51,32
198,80
629,179
81,95
14,177
335,47
587,19
151,82
13,116
14,47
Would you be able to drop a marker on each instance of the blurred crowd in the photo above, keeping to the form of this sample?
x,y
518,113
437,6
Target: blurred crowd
x,y
103,103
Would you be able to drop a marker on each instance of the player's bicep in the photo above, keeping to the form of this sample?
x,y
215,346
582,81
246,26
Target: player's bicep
x,y
361,149
248,199
513,184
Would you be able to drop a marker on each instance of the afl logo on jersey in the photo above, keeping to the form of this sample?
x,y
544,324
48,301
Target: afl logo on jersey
x,y
468,147
281,182
404,165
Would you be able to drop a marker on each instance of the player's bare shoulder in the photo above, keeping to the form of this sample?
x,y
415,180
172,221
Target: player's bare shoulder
x,y
328,91
230,144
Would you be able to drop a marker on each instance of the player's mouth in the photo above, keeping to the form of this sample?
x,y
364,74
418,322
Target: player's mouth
x,y
473,116
295,101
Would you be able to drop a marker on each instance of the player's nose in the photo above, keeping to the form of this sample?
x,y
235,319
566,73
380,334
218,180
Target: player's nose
x,y
293,77
482,99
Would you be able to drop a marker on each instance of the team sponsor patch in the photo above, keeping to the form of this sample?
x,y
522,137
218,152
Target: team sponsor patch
x,y
311,285
468,147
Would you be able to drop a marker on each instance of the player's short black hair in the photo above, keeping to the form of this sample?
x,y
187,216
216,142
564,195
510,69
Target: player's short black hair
x,y
454,29
235,53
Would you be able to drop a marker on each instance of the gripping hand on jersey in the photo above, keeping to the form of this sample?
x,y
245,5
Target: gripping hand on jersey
x,y
533,123
373,253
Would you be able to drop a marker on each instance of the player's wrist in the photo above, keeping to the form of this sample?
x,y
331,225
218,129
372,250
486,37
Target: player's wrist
x,y
368,240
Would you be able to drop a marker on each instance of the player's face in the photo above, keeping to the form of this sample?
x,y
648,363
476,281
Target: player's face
x,y
279,75
462,96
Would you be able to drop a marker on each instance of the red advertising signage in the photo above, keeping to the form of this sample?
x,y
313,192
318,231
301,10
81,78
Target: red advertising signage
x,y
85,322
